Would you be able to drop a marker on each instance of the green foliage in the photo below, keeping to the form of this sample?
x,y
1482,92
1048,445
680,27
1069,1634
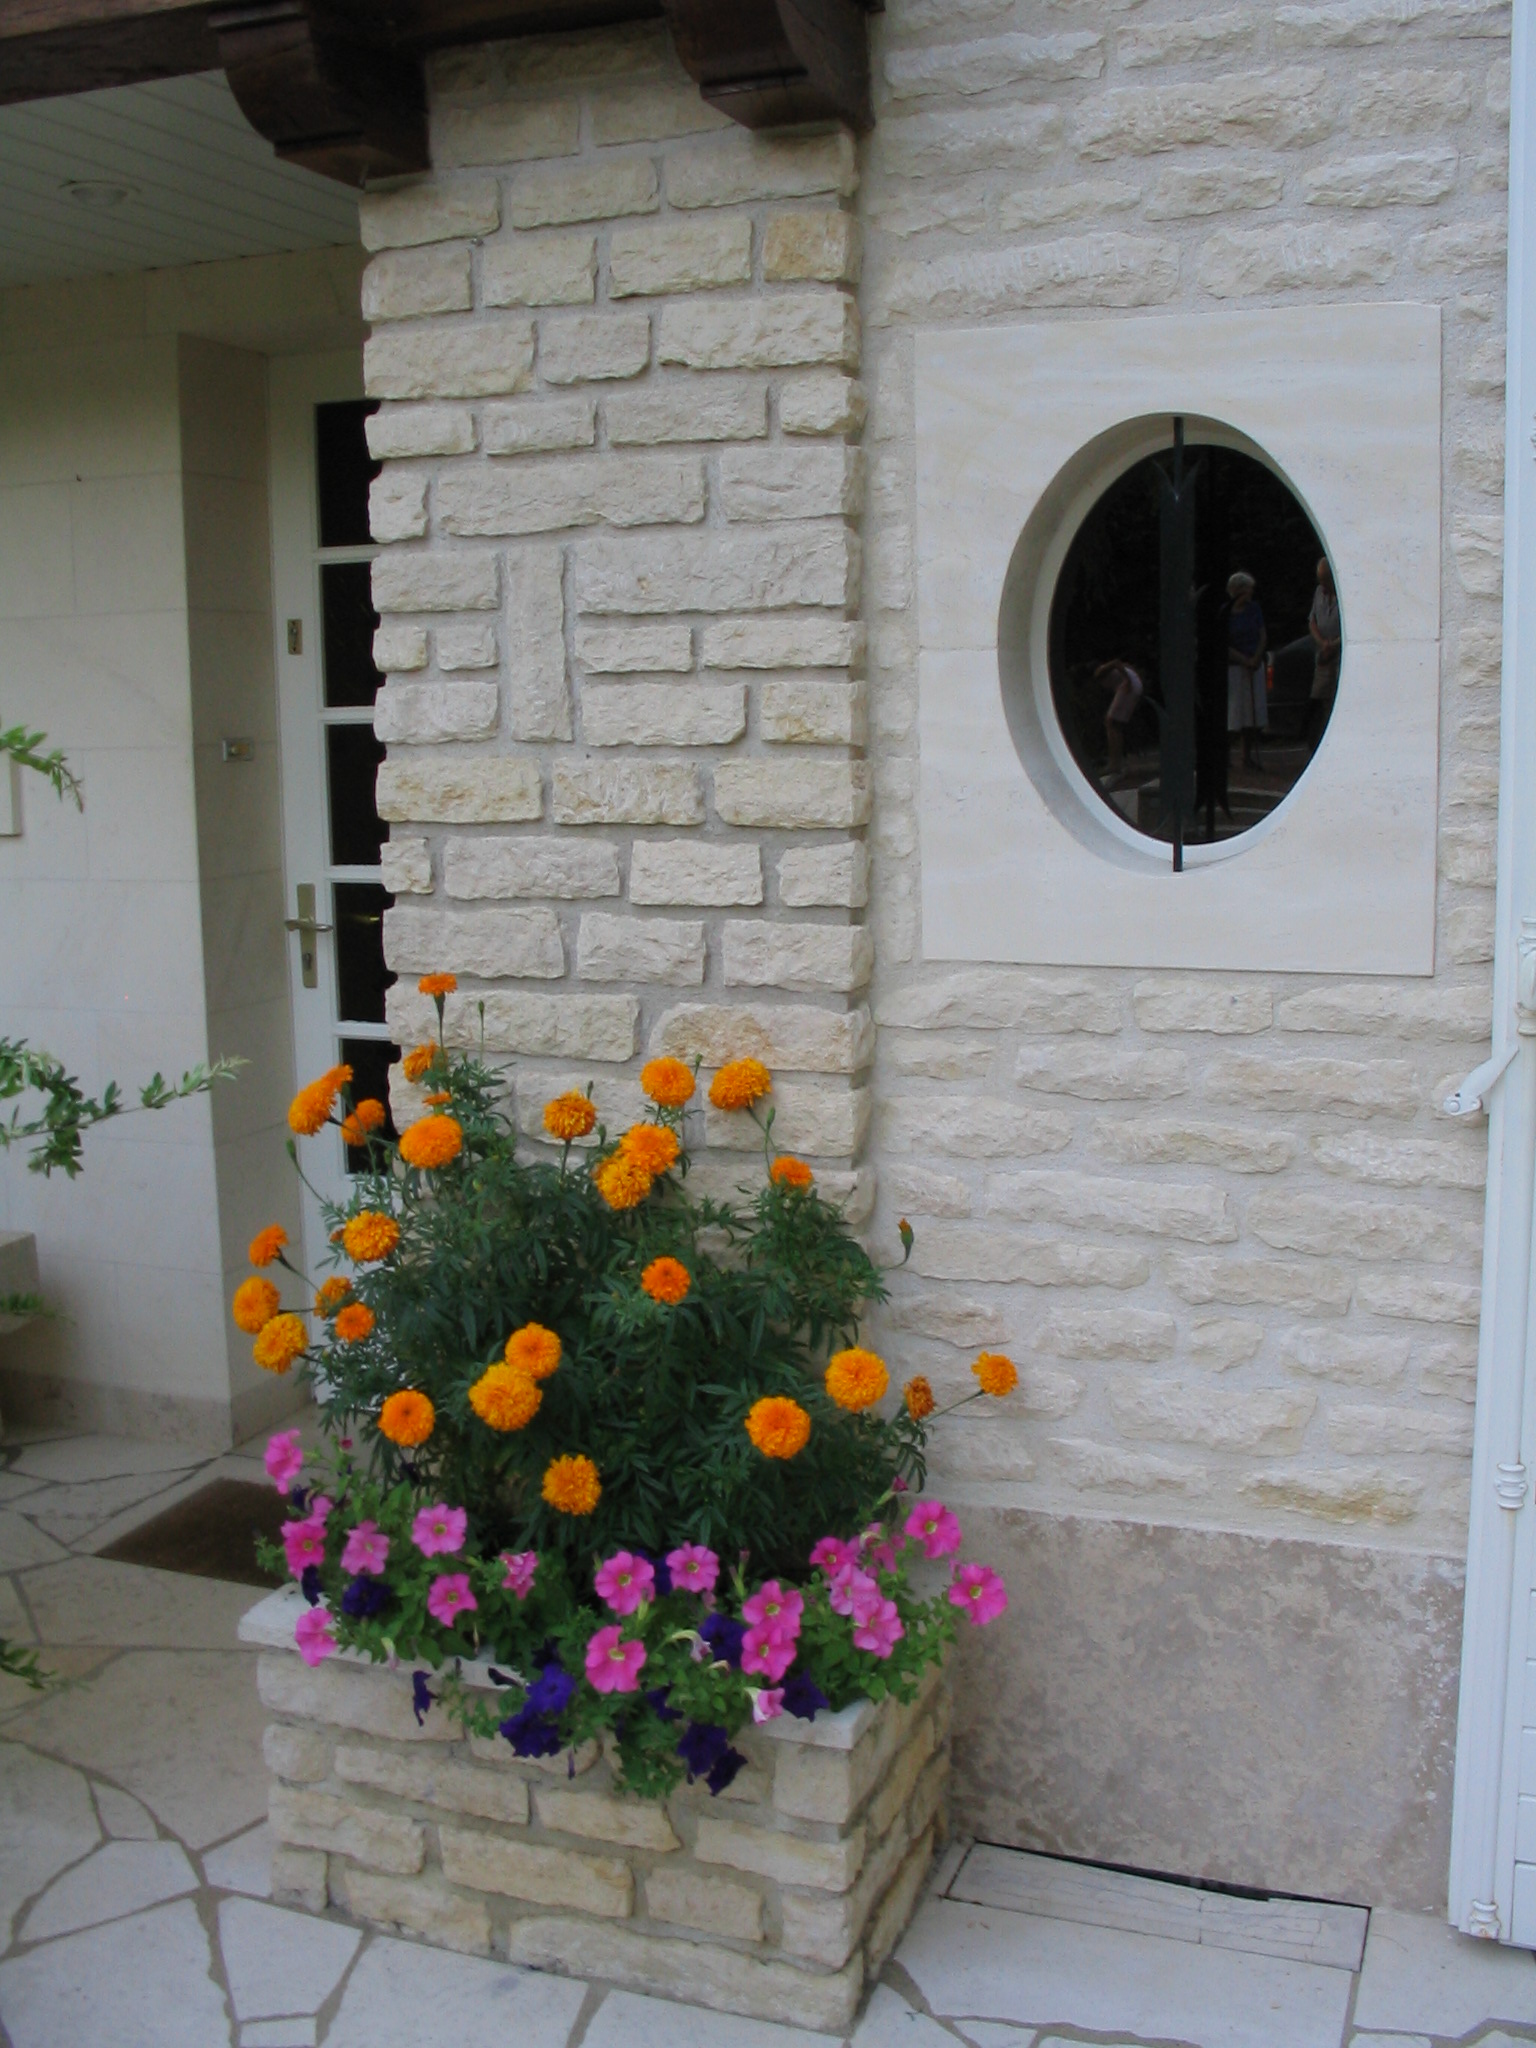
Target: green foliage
x,y
67,1112
26,750
30,1305
15,1662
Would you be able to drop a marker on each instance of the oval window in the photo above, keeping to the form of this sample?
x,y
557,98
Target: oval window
x,y
1262,643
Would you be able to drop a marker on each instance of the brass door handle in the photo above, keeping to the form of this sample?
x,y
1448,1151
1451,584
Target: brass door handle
x,y
306,925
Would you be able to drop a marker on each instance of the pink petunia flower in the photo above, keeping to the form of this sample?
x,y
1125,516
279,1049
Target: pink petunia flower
x,y
520,1568
768,1704
439,1531
365,1550
449,1596
979,1592
832,1553
285,1459
770,1649
624,1580
774,1606
614,1665
694,1568
878,1629
314,1636
931,1524
304,1544
852,1591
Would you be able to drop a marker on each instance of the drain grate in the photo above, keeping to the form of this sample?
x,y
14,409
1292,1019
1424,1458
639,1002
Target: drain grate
x,y
209,1535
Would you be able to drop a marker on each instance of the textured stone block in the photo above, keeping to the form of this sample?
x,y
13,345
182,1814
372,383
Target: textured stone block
x,y
797,956
815,564
461,647
540,270
827,1123
440,212
397,505
578,1027
788,1037
1285,109
428,714
1188,191
481,790
1239,1148
1366,1431
680,411
435,1781
1221,1342
679,256
594,346
301,1755
412,582
538,692
662,714
742,167
632,1823
787,1858
1139,1333
1365,1087
307,1819
491,945
1390,104
543,497
603,1885
1337,1494
410,430
652,112
449,362
761,334
965,1251
601,190
1202,1006
1352,1361
554,866
1297,1222
298,1877
1005,999
793,640
540,425
705,1901
634,650
504,131
1102,1074
1203,1215
972,1127
368,1701
900,1901
420,1906
640,949
1419,1299
1099,270
1288,257
791,483
1392,178
831,875
1312,1287
1379,1011
1177,42
401,284
798,794
399,648
796,711
691,871
820,247
822,402
1404,1162
626,793
1172,1411
405,867
982,62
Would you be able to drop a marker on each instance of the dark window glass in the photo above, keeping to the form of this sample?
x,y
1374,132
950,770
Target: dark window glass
x,y
345,470
352,757
361,976
370,1060
347,622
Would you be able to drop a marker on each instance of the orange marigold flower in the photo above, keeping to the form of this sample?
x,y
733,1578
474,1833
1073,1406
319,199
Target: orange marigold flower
x,y
407,1419
622,1181
739,1084
417,1061
432,1142
504,1398
667,1081
652,1146
354,1323
256,1302
779,1427
436,1101
918,1396
572,1486
856,1379
369,1235
533,1350
666,1280
368,1116
570,1116
266,1244
330,1294
996,1373
790,1173
280,1343
438,984
310,1109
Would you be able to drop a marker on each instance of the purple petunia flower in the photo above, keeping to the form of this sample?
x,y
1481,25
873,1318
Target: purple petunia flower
x,y
701,1745
422,1696
364,1598
723,1770
309,1584
724,1638
531,1734
804,1698
551,1691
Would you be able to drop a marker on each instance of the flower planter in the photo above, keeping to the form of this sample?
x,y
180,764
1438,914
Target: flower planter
x,y
777,1899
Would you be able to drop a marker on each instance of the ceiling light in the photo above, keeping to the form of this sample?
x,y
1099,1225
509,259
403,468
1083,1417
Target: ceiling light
x,y
101,193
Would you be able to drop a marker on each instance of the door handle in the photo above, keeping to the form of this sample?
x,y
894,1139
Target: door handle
x,y
306,925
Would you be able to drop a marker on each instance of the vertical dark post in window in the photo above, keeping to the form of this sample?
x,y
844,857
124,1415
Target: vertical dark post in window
x,y
1176,532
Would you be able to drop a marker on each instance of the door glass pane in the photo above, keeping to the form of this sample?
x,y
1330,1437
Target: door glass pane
x,y
345,470
347,622
361,976
352,757
370,1060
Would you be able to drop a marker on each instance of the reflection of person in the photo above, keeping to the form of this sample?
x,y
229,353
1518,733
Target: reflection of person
x,y
1327,644
1247,642
1127,689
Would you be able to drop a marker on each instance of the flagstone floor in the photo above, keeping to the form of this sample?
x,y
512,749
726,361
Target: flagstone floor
x,y
133,1870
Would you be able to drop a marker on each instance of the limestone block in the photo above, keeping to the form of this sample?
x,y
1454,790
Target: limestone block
x,y
404,431
1104,1468
399,648
538,692
937,1058
600,346
706,1901
1177,42
673,1968
301,1755
791,794
1190,1005
679,256
1139,1333
758,954
968,1325
793,640
1449,1370
557,867
435,1781
1403,1162
640,949
1288,256
688,714
449,362
1378,1011
822,402
761,334
1102,1074
926,146
298,1877
539,425
405,867
1363,1087
1285,109
503,131
1188,191
443,211
1359,23
1337,1494
1391,178
1390,104
837,876
545,1027
1201,1215
792,483
980,63
652,112
632,1823
680,411
570,1763
626,793
1363,1230
1469,932
795,711
825,1929
404,283
1369,1431
1005,999
964,1251
788,1038
306,1819
1238,1147
1352,1361
892,1798
369,1702
816,564
429,714
1469,855
1081,200
1101,269
820,247
412,582
1221,1342
635,650
824,1122
540,270
603,1885
741,167
691,871
1417,1298
420,1906
480,790
489,944
598,190
787,1858
465,647
619,1100
1312,1288
542,497
972,1127
1265,1419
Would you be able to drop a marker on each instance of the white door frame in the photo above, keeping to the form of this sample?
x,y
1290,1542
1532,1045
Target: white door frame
x,y
1492,1889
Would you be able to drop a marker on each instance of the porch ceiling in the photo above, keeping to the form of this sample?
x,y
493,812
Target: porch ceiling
x,y
199,184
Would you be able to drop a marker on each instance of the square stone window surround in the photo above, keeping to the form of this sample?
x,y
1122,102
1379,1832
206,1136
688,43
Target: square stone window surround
x,y
1345,402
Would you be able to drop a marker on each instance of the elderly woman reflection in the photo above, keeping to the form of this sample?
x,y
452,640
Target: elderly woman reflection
x,y
1327,644
1247,644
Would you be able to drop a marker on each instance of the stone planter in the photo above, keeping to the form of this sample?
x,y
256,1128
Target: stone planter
x,y
776,1899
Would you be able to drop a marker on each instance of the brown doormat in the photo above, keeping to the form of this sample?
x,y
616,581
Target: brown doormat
x,y
211,1535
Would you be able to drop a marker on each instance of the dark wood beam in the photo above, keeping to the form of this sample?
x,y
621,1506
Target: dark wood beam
x,y
770,63
51,47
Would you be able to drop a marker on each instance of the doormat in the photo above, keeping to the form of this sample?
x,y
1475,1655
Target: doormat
x,y
210,1535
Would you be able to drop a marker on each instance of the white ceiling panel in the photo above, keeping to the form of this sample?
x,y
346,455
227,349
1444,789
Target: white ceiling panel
x,y
143,176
